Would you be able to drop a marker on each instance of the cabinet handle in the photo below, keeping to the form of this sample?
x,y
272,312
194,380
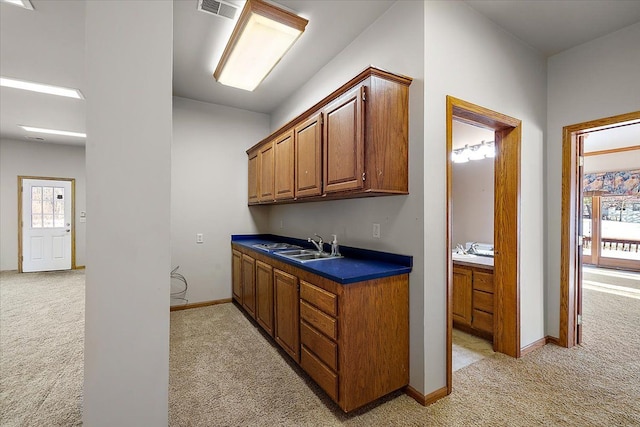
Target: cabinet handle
x,y
363,176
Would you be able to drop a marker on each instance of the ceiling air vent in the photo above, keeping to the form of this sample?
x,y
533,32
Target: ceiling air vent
x,y
218,8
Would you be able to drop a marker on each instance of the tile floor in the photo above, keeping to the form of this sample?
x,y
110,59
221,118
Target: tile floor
x,y
468,349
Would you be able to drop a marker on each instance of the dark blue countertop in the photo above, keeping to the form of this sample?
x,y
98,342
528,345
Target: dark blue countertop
x,y
357,265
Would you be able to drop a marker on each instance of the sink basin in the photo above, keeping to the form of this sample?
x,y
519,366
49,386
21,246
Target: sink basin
x,y
305,255
272,247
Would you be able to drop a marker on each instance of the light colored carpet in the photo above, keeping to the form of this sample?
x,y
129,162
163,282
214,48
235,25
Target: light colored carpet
x,y
223,372
41,348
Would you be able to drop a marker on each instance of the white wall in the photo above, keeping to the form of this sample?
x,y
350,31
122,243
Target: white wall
x,y
623,161
394,42
469,57
36,159
472,202
591,81
128,155
209,192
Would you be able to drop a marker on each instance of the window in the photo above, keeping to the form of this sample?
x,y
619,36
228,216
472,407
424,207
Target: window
x,y
47,207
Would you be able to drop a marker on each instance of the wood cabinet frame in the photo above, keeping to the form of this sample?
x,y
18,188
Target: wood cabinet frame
x,y
368,322
371,159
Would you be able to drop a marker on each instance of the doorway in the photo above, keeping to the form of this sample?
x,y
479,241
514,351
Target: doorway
x,y
46,224
572,222
506,270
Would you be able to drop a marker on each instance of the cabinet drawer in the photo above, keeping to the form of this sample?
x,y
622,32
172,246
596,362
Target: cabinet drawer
x,y
325,324
321,374
483,281
325,301
483,301
324,348
483,321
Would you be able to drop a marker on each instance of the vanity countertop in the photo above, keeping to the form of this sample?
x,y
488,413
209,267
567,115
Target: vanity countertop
x,y
473,260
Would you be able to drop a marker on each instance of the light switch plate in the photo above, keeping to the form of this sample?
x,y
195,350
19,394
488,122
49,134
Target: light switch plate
x,y
199,238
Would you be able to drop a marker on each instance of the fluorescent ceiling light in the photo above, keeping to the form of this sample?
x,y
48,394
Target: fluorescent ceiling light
x,y
54,131
26,4
261,37
41,88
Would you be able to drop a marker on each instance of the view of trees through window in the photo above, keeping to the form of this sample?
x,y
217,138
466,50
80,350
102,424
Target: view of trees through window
x,y
618,226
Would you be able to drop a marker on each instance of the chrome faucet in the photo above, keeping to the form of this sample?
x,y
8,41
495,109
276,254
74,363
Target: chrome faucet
x,y
473,248
319,244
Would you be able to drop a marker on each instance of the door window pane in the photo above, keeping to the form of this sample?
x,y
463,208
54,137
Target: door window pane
x,y
47,207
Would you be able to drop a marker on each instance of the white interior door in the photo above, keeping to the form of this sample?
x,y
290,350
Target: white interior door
x,y
46,225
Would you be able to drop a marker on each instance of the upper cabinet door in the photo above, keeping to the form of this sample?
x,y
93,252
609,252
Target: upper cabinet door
x,y
344,142
308,163
265,173
284,166
253,177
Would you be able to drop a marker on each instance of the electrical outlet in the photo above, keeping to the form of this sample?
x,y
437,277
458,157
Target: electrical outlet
x,y
199,238
376,231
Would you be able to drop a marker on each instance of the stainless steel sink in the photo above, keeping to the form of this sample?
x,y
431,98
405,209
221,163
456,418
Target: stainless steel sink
x,y
305,255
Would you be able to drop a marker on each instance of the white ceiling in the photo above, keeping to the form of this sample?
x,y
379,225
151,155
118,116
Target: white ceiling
x,y
619,137
47,46
551,26
199,39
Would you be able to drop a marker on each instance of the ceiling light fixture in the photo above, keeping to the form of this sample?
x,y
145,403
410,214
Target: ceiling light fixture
x,y
261,37
26,4
54,131
41,88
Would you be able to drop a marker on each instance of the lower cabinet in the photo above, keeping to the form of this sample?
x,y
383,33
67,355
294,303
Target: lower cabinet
x,y
236,276
473,300
287,332
264,296
249,284
352,340
462,294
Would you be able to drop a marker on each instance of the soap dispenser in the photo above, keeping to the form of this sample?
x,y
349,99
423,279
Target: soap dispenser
x,y
335,249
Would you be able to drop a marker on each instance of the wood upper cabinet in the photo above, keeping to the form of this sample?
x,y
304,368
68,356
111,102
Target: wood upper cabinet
x,y
284,166
264,296
249,284
343,136
308,157
353,143
253,177
236,275
462,293
287,317
266,163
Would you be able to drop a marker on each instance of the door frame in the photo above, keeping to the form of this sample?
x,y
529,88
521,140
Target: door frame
x,y
507,213
21,178
570,260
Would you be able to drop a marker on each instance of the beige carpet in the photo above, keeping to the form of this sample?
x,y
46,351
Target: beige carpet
x,y
41,348
223,372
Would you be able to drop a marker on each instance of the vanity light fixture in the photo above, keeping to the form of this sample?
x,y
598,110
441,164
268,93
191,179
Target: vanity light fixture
x,y
261,37
474,152
54,131
25,4
41,88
